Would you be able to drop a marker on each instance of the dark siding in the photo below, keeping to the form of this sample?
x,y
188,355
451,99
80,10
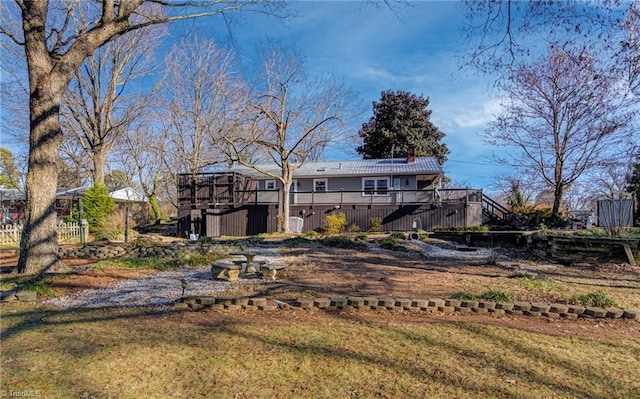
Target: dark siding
x,y
251,220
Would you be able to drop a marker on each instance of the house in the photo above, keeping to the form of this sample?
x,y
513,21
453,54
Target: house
x,y
14,203
401,192
361,181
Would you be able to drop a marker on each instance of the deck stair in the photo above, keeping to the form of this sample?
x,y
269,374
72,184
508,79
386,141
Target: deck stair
x,y
495,214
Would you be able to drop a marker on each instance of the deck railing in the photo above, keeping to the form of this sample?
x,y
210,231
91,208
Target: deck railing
x,y
342,197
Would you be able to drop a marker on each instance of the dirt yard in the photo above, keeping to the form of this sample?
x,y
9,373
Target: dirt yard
x,y
437,269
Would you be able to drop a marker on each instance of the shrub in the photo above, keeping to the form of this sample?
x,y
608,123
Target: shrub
x,y
297,242
311,234
391,244
204,240
375,225
496,296
113,226
335,223
342,242
598,298
97,204
398,235
463,296
353,228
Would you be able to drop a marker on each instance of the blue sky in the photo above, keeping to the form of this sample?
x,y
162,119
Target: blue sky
x,y
416,48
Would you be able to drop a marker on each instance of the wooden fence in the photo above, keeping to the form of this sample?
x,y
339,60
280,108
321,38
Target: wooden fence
x,y
10,234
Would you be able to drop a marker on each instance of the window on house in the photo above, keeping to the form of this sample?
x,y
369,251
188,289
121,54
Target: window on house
x,y
320,185
382,185
375,186
270,184
368,186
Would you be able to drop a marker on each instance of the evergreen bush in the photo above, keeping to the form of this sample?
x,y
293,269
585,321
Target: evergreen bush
x,y
98,205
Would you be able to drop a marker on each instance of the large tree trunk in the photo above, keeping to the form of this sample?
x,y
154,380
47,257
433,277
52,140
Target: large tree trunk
x,y
39,242
286,201
557,201
99,161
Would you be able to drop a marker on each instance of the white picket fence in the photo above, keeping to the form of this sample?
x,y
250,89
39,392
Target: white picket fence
x,y
10,234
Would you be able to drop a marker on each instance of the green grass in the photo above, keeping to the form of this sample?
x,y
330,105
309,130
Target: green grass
x,y
136,353
598,298
155,263
492,295
521,275
543,285
41,284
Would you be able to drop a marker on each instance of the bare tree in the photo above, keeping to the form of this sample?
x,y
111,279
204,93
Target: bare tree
x,y
54,49
201,90
291,118
141,153
562,116
506,33
101,104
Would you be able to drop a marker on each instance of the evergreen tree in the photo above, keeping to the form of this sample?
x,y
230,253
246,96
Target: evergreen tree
x,y
401,119
98,204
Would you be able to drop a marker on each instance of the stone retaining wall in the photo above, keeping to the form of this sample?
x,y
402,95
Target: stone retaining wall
x,y
136,249
564,249
433,305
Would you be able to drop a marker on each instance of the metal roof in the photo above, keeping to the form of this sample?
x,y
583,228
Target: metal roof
x,y
11,194
362,167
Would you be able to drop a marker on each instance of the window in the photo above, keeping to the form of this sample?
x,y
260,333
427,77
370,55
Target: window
x,y
270,184
320,185
375,186
382,185
368,186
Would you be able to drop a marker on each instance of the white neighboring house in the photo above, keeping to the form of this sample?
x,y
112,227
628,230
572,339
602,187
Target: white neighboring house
x,y
13,202
124,197
128,194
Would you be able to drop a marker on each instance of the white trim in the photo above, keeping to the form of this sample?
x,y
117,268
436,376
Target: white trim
x,y
326,185
375,180
268,182
293,192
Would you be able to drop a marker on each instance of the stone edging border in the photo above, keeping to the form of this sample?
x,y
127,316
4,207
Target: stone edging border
x,y
433,305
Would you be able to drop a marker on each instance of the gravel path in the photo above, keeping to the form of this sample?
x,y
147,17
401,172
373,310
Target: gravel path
x,y
460,252
159,289
164,288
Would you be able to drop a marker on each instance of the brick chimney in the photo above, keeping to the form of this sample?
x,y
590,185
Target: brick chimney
x,y
411,153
